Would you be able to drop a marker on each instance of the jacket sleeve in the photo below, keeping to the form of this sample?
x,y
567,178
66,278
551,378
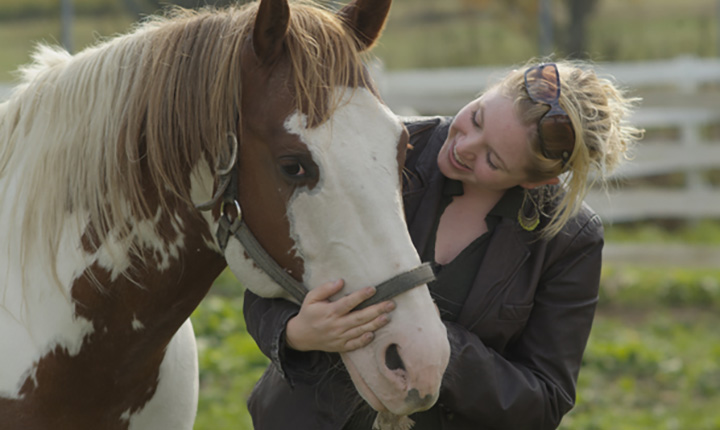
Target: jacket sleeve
x,y
266,320
532,384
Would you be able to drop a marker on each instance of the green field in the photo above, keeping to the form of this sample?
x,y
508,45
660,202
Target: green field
x,y
426,33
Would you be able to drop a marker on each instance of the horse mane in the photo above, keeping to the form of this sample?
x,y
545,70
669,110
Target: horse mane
x,y
110,135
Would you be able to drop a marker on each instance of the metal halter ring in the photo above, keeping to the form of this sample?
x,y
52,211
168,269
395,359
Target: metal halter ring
x,y
237,208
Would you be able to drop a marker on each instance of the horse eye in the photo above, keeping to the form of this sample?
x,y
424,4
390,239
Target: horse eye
x,y
293,169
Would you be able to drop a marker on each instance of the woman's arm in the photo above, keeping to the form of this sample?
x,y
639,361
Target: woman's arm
x,y
266,320
532,385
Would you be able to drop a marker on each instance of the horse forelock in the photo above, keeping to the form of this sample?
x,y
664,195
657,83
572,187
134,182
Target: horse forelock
x,y
324,55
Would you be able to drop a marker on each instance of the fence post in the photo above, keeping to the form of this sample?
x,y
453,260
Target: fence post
x,y
66,18
545,24
689,138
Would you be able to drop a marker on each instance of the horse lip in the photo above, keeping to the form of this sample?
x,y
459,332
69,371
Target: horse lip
x,y
366,391
403,407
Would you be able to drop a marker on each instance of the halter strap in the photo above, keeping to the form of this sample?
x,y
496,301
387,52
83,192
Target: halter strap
x,y
228,189
384,291
399,284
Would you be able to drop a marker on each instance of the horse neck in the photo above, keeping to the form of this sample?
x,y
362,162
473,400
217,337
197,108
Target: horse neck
x,y
169,270
149,282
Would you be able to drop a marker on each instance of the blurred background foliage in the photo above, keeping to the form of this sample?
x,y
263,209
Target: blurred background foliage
x,y
653,360
429,33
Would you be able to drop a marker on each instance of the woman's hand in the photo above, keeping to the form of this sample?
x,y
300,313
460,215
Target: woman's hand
x,y
328,326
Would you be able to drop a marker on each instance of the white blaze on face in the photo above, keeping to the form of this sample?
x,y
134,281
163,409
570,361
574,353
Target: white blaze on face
x,y
351,226
352,220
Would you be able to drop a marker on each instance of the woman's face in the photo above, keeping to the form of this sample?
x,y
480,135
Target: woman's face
x,y
487,145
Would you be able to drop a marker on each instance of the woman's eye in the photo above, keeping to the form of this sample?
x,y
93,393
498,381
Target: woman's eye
x,y
294,169
474,120
490,163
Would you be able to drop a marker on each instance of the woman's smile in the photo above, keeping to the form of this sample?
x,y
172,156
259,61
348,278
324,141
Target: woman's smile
x,y
457,160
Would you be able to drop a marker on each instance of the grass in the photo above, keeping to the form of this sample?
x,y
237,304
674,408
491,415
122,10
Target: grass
x,y
26,34
658,369
701,232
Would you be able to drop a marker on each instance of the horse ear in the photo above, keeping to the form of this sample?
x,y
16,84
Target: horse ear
x,y
271,24
366,18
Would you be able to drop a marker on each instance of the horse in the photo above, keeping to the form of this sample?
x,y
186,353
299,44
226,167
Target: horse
x,y
128,172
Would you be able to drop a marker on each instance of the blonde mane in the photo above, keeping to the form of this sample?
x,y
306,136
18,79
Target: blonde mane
x,y
109,135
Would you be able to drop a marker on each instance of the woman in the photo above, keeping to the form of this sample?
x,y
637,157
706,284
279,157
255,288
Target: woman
x,y
493,197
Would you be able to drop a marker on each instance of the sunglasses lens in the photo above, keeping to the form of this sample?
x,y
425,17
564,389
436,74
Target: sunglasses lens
x,y
557,136
542,83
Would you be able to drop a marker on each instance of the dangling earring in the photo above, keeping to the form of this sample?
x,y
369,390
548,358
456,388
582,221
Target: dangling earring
x,y
529,213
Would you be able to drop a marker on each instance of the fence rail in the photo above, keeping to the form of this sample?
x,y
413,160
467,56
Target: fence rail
x,y
690,154
661,255
432,91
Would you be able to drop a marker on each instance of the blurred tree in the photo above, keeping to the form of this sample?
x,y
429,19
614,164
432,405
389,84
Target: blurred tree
x,y
518,14
575,41
145,7
525,14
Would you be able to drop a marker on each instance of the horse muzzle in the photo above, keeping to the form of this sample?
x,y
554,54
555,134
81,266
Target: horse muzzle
x,y
401,370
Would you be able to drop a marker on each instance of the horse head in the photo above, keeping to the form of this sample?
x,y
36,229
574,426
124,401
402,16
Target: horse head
x,y
318,170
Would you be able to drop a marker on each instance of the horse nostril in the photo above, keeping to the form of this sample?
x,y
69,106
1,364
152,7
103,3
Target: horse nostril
x,y
392,358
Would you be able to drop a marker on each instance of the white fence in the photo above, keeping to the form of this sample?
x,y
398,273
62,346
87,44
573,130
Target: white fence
x,y
445,91
690,154
684,99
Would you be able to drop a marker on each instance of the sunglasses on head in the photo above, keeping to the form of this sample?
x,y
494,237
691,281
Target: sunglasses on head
x,y
557,136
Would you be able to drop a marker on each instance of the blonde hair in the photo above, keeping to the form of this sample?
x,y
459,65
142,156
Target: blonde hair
x,y
599,110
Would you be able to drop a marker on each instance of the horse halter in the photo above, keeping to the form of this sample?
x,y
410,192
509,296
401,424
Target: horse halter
x,y
227,226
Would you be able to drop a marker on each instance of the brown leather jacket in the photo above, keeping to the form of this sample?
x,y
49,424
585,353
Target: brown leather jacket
x,y
516,347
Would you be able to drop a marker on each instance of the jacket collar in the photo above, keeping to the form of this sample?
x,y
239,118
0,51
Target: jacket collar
x,y
423,188
509,244
426,165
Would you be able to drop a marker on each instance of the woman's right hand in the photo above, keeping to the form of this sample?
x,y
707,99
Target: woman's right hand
x,y
328,326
